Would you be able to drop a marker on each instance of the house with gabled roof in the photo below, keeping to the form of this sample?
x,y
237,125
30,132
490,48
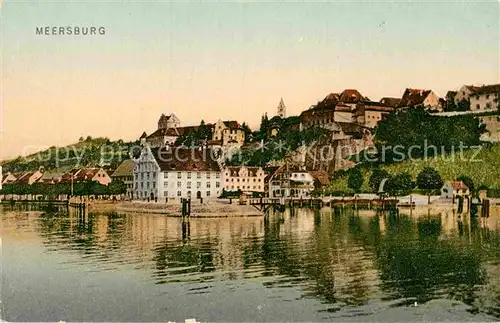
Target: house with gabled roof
x,y
87,174
125,173
414,98
465,92
8,178
30,177
229,132
452,189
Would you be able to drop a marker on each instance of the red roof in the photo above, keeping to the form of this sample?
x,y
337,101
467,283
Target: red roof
x,y
186,159
458,185
413,97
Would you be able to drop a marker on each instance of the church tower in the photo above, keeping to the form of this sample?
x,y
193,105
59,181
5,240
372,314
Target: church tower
x,y
281,109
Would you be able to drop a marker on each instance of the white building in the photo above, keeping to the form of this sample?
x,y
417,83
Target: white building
x,y
244,178
485,98
465,92
168,174
290,181
452,189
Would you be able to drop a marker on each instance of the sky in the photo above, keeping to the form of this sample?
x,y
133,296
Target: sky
x,y
229,60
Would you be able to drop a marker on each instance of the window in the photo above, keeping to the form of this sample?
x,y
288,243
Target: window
x,y
154,184
238,180
477,106
198,184
232,179
165,194
189,175
217,175
227,179
487,96
208,175
208,193
179,184
198,175
142,175
178,193
179,175
188,184
136,186
165,184
142,185
147,184
165,175
208,184
217,184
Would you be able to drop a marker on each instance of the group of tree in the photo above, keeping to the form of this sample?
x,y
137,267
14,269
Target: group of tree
x,y
91,152
196,136
84,188
463,105
414,133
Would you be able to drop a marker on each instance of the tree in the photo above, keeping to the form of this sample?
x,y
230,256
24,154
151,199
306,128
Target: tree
x,y
264,124
463,105
429,179
355,180
400,185
378,175
423,133
467,181
247,131
117,187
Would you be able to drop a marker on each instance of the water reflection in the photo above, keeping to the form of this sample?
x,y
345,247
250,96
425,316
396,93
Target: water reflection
x,y
343,258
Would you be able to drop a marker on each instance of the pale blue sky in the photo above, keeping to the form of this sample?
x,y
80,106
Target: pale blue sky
x,y
228,60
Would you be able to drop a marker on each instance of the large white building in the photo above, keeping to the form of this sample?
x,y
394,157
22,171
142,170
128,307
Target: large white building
x,y
244,178
171,173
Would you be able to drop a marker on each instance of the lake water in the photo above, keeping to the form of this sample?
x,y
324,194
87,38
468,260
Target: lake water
x,y
308,266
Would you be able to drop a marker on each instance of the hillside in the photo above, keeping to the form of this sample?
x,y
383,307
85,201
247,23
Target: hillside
x,y
90,152
484,168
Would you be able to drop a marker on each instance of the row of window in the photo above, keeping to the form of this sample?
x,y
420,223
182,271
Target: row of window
x,y
148,175
188,184
208,175
189,194
142,185
243,180
258,187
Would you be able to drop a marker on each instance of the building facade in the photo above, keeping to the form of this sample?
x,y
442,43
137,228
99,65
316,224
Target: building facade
x,y
125,173
170,173
228,132
244,178
290,181
485,98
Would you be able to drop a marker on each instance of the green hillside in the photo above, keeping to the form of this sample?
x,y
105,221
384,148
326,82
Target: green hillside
x,y
482,166
90,152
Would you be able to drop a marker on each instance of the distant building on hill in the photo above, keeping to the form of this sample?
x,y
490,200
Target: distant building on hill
x,y
281,109
414,98
485,98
